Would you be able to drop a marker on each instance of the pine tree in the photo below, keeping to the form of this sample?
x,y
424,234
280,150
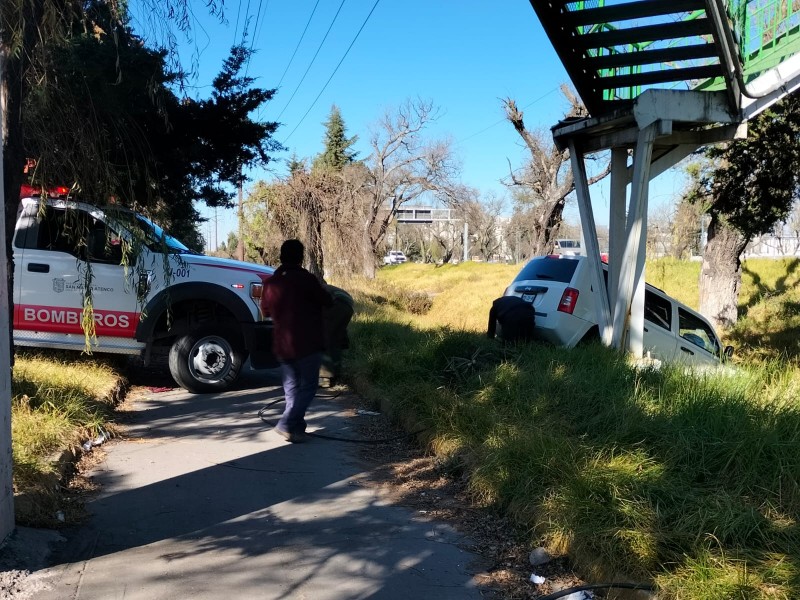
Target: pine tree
x,y
337,153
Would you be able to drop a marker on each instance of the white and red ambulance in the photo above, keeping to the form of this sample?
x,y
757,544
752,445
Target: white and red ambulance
x,y
110,280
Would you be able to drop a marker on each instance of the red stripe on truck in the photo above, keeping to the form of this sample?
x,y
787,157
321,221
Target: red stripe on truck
x,y
57,319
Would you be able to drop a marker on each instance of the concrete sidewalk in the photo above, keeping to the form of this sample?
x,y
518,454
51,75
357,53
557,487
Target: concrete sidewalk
x,y
205,502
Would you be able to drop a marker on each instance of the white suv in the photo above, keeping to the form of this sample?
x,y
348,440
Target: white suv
x,y
394,257
559,287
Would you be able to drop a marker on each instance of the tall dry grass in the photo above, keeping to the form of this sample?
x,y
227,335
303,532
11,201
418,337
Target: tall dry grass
x,y
689,481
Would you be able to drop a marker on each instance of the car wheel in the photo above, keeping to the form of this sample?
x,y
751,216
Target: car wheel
x,y
207,359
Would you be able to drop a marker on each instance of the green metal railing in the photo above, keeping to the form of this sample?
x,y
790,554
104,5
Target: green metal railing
x,y
626,93
767,32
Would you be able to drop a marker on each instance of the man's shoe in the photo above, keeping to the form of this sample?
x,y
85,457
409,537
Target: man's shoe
x,y
293,438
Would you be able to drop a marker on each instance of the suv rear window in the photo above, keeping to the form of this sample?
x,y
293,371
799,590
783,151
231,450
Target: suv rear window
x,y
549,269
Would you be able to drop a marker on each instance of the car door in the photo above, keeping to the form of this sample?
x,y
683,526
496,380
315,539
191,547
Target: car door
x,y
697,342
70,259
659,339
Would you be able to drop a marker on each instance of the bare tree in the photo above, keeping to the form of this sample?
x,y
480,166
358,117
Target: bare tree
x,y
547,179
320,207
660,225
686,230
402,167
448,240
293,207
485,226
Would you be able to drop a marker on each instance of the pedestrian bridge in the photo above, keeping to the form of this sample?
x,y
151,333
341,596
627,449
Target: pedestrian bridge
x,y
614,50
659,79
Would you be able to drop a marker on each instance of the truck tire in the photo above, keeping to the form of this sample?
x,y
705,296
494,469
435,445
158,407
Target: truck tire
x,y
207,359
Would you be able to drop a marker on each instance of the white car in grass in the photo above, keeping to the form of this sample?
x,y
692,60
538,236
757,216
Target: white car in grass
x,y
559,288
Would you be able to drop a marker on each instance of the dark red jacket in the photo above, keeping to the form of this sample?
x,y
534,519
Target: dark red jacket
x,y
294,298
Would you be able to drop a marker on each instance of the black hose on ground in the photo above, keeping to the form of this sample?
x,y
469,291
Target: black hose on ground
x,y
598,586
337,438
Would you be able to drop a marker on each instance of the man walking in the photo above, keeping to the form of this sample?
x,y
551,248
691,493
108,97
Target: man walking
x,y
295,299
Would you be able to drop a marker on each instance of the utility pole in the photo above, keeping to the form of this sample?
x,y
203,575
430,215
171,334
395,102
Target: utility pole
x,y
6,472
466,241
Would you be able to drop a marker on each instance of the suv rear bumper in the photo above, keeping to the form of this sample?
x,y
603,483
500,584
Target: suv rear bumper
x,y
561,329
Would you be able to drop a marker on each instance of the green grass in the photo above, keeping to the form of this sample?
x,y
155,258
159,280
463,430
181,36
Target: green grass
x,y
692,482
57,404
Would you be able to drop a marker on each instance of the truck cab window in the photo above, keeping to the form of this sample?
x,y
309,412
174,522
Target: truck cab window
x,y
57,233
78,233
103,244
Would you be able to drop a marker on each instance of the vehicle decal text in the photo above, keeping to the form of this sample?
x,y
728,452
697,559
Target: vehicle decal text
x,y
60,285
57,319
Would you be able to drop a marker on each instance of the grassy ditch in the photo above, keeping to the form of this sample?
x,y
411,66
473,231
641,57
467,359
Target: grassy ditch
x,y
689,481
56,405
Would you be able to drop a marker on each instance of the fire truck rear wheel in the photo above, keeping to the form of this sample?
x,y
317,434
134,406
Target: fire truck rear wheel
x,y
207,360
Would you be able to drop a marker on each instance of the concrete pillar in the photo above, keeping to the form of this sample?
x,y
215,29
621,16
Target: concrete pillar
x,y
590,238
616,220
629,307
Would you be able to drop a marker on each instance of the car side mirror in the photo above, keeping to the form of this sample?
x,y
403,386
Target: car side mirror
x,y
728,351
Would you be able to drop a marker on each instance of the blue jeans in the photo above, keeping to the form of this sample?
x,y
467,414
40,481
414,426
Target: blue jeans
x,y
300,382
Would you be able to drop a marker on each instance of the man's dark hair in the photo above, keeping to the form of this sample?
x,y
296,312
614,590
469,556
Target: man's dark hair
x,y
292,252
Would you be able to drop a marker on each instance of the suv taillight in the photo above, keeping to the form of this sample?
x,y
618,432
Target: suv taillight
x,y
568,301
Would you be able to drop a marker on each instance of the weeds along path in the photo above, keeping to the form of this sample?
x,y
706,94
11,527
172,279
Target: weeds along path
x,y
684,480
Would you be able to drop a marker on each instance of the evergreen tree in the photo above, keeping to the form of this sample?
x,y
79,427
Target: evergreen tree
x,y
113,125
338,152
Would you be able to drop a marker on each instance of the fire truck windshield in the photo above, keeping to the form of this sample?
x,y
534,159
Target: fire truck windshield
x,y
153,236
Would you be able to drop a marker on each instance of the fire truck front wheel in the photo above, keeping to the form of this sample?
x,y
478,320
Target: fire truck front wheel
x,y
207,359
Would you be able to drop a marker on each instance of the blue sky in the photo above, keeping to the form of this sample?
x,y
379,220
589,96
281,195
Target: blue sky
x,y
464,56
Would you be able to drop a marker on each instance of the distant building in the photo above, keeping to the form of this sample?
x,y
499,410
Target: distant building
x,y
773,246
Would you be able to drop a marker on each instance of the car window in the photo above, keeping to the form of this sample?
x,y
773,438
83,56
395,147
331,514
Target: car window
x,y
103,244
657,310
697,331
60,231
550,269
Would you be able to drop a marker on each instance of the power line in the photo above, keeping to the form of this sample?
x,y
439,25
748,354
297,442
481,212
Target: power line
x,y
255,33
236,29
477,133
374,6
312,60
261,25
296,48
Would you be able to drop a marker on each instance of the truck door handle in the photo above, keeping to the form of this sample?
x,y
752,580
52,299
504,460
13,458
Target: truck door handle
x,y
38,268
645,330
687,351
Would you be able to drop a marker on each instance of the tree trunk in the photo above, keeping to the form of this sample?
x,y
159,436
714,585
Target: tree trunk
x,y
314,249
548,227
13,156
368,255
721,274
